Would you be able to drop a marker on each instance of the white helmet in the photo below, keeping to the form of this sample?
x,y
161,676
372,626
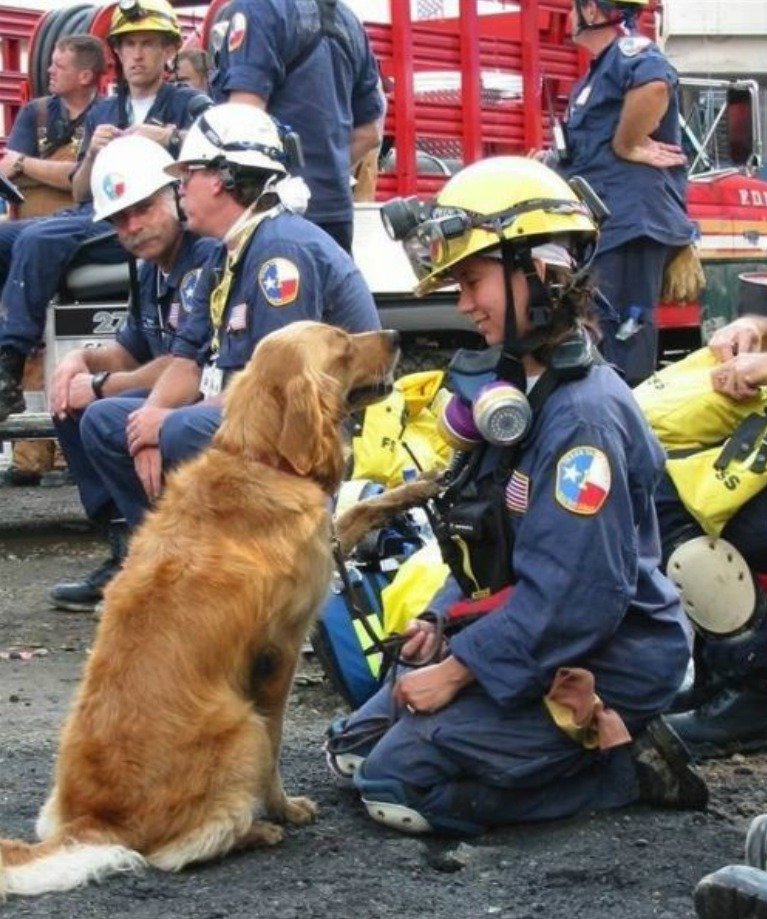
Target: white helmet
x,y
128,170
235,133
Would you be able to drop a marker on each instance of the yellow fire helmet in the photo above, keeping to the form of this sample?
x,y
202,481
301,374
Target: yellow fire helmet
x,y
144,16
497,200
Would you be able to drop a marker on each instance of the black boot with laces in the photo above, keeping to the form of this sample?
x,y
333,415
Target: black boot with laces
x,y
83,596
11,372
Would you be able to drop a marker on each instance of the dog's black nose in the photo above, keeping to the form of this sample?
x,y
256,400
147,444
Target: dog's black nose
x,y
393,336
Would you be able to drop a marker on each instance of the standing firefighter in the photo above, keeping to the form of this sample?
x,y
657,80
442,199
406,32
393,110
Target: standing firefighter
x,y
623,136
549,654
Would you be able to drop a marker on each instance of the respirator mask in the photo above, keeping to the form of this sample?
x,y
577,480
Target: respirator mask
x,y
482,407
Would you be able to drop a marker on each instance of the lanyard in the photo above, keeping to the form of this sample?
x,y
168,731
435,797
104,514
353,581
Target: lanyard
x,y
238,237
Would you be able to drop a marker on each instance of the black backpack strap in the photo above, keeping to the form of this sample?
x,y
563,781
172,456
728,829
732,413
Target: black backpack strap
x,y
329,28
742,440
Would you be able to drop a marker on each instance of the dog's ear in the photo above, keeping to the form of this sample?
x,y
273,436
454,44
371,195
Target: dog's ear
x,y
309,438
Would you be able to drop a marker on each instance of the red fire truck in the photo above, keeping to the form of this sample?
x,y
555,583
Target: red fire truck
x,y
460,87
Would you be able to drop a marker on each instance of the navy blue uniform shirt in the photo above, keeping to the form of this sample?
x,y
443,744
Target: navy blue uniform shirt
x,y
58,125
589,592
171,106
643,200
165,301
289,270
322,96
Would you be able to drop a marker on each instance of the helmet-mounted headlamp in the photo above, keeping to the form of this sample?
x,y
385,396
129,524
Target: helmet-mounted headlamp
x,y
132,10
433,234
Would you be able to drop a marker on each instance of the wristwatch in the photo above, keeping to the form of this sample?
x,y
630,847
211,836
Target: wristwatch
x,y
97,383
174,143
18,167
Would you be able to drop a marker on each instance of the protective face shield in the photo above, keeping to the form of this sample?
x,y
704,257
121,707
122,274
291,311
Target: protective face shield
x,y
144,16
234,134
501,199
116,181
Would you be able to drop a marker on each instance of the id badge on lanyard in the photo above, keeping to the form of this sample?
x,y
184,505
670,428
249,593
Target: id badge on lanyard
x,y
212,380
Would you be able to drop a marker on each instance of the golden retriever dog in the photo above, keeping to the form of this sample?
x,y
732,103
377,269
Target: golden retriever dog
x,y
170,753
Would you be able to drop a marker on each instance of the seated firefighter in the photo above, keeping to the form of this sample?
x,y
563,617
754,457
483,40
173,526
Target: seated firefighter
x,y
531,687
713,525
269,268
39,159
144,38
145,211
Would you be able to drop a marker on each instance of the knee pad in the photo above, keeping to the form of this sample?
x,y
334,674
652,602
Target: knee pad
x,y
718,590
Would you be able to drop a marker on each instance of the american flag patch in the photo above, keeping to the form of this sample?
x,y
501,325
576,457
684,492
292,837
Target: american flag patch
x,y
238,317
173,314
518,492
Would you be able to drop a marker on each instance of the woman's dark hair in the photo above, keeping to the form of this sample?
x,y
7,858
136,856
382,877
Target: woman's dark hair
x,y
573,298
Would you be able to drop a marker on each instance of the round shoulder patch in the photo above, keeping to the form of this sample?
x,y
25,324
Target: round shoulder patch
x,y
279,280
583,480
238,28
186,288
631,45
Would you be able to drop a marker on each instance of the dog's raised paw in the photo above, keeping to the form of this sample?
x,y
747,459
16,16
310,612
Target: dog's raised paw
x,y
300,811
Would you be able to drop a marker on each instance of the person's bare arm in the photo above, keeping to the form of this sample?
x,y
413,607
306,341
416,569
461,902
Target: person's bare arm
x,y
55,173
178,384
81,180
643,109
143,376
364,138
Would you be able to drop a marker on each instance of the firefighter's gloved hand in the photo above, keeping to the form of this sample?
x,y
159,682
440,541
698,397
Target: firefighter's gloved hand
x,y
683,278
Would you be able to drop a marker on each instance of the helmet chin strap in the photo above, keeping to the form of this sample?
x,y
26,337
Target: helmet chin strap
x,y
540,307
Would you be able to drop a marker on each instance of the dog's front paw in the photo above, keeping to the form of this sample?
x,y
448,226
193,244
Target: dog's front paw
x,y
263,833
300,811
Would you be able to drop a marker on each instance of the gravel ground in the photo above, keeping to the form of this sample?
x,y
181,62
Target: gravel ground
x,y
625,865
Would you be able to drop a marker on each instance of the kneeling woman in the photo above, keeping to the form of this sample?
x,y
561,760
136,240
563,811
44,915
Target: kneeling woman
x,y
545,702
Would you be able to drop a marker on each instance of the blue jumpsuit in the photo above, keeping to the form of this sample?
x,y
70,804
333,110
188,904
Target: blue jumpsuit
x,y
288,270
45,247
588,594
648,220
322,89
164,304
24,138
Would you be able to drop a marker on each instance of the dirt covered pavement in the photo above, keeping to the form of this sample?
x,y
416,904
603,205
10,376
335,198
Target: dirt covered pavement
x,y
624,865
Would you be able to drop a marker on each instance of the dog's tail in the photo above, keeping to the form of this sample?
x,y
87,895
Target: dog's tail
x,y
66,860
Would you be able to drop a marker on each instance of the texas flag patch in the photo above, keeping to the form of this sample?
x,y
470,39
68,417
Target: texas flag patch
x,y
113,185
237,31
279,280
583,480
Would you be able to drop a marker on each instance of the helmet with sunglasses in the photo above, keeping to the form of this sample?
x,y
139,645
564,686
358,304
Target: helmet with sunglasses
x,y
233,134
503,199
116,184
144,16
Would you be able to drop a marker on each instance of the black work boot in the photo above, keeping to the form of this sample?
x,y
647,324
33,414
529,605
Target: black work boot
x,y
83,596
733,892
664,773
11,372
734,721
